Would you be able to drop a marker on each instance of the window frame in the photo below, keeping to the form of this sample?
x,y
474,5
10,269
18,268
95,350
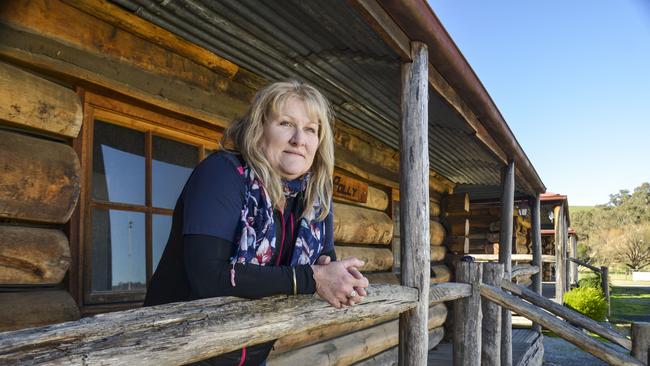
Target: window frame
x,y
152,122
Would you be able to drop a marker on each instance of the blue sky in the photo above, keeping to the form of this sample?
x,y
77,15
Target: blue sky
x,y
571,76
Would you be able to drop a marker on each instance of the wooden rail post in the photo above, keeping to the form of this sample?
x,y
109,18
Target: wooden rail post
x,y
537,252
561,232
604,278
467,317
414,206
491,325
505,254
573,267
641,342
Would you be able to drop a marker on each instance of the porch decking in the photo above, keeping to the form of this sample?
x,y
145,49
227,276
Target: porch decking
x,y
527,350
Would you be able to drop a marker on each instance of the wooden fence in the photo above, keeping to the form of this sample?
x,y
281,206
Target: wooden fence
x,y
488,283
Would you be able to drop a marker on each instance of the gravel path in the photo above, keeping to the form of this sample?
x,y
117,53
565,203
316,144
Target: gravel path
x,y
558,352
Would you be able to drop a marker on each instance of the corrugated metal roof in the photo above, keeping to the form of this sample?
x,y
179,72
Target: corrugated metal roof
x,y
329,45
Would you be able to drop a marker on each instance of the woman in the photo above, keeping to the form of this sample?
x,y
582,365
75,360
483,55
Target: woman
x,y
255,219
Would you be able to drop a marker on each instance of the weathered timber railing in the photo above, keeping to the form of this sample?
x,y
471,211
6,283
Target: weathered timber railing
x,y
181,333
604,278
536,309
523,270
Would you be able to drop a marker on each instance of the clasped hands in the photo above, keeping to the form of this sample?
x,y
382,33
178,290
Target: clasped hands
x,y
340,283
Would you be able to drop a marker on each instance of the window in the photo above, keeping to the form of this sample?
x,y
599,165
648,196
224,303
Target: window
x,y
136,163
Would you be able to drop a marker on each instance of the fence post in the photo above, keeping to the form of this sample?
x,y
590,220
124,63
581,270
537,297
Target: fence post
x,y
467,317
505,254
491,325
641,342
604,278
537,252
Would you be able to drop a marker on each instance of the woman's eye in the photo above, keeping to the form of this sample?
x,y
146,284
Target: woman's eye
x,y
285,123
310,130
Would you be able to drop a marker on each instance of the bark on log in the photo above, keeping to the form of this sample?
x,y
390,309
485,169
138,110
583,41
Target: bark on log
x,y
32,256
440,273
40,179
457,203
437,253
34,309
389,357
388,278
436,233
31,101
376,259
360,225
350,347
559,327
185,332
376,200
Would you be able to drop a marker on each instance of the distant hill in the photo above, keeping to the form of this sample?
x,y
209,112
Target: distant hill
x,y
576,209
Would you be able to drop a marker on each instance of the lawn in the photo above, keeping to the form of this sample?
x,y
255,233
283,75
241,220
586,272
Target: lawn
x,y
630,304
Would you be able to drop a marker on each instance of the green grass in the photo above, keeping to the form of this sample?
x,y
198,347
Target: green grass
x,y
627,302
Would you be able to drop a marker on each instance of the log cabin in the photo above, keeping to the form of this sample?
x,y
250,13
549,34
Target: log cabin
x,y
106,106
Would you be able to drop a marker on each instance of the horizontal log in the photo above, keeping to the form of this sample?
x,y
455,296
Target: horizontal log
x,y
30,101
566,313
32,256
40,179
388,278
458,203
185,332
458,225
352,347
437,253
584,264
376,259
437,233
440,273
458,244
376,199
515,257
361,225
434,208
390,356
34,309
559,327
449,291
524,270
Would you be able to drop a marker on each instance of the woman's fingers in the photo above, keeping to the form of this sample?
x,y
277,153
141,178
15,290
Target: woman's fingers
x,y
352,262
323,260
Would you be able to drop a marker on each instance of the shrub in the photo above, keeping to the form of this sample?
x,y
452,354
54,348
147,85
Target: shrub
x,y
591,281
587,300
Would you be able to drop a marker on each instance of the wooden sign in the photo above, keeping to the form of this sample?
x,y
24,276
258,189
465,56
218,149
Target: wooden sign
x,y
350,189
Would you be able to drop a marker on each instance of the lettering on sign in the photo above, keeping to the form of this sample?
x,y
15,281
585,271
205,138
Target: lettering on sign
x,y
350,189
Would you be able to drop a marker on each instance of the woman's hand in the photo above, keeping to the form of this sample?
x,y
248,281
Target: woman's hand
x,y
336,280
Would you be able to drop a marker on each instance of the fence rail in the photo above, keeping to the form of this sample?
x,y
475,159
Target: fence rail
x,y
604,279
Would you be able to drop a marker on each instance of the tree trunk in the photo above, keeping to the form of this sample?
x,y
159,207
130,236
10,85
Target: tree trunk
x,y
361,225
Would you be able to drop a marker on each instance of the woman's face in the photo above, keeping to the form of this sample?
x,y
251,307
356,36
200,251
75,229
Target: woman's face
x,y
290,139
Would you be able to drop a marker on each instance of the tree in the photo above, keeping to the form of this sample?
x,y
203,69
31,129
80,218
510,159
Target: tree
x,y
634,248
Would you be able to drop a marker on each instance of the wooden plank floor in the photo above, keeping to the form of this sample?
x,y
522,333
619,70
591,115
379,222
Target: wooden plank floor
x,y
522,339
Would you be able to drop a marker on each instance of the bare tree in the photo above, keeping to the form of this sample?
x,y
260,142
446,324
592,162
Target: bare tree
x,y
633,249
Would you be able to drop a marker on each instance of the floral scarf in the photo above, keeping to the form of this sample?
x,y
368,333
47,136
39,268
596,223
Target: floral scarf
x,y
257,239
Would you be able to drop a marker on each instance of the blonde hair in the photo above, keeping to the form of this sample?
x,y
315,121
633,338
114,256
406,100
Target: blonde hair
x,y
245,134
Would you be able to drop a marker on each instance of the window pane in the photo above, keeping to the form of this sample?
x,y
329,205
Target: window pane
x,y
118,164
161,227
118,252
172,164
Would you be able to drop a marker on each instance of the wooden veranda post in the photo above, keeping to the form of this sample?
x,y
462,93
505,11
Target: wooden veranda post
x,y
505,253
414,205
561,237
537,251
641,342
491,325
467,317
573,267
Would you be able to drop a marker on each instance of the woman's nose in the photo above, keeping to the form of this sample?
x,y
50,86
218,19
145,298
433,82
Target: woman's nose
x,y
298,138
